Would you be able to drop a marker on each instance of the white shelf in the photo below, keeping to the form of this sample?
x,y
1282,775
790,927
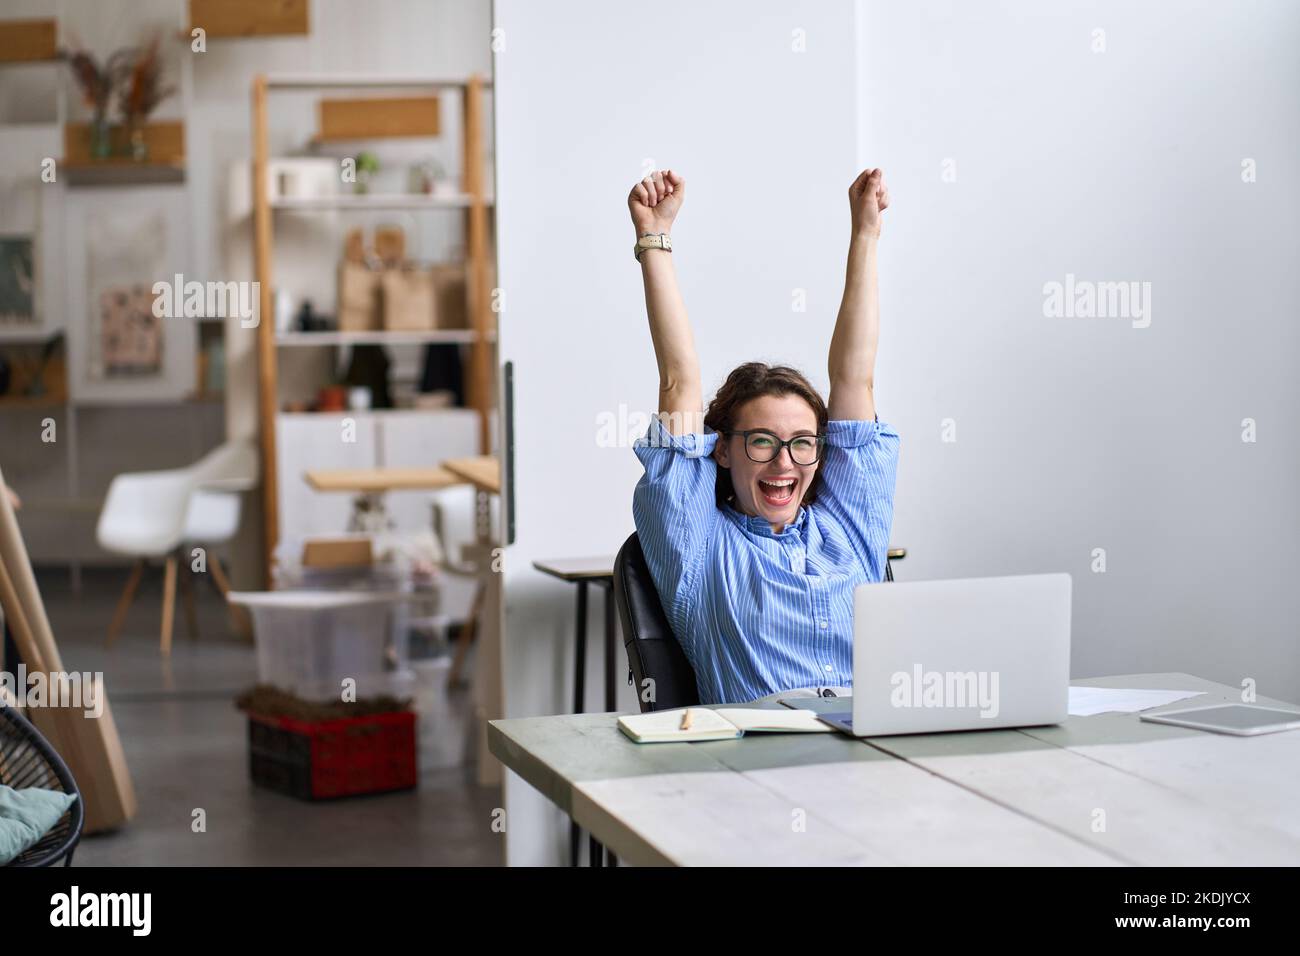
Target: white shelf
x,y
374,201
380,412
457,336
37,336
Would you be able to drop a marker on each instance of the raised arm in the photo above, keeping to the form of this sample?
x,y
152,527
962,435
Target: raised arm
x,y
654,203
852,362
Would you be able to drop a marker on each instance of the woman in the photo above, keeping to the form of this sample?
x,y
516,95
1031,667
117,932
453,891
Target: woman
x,y
759,517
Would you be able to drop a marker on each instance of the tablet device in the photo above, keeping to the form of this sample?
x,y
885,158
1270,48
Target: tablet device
x,y
1244,720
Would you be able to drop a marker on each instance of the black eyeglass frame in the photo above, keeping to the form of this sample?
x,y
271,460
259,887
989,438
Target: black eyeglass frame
x,y
820,439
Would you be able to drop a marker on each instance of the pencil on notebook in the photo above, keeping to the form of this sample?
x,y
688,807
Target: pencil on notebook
x,y
686,720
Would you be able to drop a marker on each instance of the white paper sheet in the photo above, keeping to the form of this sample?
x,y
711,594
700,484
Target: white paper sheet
x,y
1086,701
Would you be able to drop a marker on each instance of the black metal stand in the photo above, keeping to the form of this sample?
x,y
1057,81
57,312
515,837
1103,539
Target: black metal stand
x,y
596,853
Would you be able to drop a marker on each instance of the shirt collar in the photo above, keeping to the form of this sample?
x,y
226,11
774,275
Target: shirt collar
x,y
760,526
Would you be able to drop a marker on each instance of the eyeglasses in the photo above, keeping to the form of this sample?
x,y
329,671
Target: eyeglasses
x,y
763,446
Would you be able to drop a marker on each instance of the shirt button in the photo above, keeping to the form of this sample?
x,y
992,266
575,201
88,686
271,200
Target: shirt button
x,y
829,669
825,624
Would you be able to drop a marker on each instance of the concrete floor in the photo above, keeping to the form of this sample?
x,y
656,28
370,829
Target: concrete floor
x,y
186,746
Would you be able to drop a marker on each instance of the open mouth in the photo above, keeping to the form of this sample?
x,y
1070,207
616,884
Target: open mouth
x,y
777,492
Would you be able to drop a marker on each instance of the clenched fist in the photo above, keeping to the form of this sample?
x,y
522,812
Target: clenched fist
x,y
655,201
868,198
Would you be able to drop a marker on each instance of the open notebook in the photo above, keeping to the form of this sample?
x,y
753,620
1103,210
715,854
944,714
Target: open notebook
x,y
664,726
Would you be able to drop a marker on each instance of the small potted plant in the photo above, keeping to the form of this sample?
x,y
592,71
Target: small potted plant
x,y
96,85
367,166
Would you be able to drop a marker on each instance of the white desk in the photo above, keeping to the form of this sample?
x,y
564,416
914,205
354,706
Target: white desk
x,y
1099,791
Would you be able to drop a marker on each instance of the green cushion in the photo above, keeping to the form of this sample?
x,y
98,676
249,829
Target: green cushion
x,y
27,815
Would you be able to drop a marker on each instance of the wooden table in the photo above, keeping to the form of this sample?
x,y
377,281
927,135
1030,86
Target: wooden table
x,y
380,480
584,572
371,484
1096,791
481,471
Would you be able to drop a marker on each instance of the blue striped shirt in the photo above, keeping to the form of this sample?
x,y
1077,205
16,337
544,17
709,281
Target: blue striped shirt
x,y
758,612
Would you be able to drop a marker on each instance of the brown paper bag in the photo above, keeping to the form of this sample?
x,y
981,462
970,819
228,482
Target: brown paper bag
x,y
390,244
358,299
451,291
409,302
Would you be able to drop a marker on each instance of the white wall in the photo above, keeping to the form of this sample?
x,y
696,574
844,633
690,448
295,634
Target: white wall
x,y
587,92
1073,433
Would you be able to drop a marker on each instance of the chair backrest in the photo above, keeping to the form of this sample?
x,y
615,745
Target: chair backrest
x,y
144,512
28,760
212,516
152,512
653,653
232,466
454,526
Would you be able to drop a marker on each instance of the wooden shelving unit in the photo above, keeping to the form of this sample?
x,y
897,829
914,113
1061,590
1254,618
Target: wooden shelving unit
x,y
472,201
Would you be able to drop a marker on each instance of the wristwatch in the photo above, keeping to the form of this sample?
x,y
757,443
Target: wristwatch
x,y
661,241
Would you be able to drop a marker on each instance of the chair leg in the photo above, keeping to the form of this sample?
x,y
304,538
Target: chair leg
x,y
169,604
187,596
124,602
238,616
464,638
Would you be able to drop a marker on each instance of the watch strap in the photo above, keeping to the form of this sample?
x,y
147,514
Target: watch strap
x,y
658,241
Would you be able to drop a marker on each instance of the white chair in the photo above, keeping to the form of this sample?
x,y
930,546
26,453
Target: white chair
x,y
455,521
160,514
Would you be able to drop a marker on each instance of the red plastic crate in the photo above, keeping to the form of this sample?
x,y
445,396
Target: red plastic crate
x,y
319,760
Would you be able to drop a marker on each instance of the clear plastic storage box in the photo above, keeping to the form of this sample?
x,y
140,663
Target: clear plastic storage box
x,y
310,641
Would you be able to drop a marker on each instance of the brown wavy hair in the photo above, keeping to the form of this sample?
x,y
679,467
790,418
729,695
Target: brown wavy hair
x,y
746,383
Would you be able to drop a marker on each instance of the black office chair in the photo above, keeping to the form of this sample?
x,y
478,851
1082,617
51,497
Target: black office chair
x,y
28,760
653,653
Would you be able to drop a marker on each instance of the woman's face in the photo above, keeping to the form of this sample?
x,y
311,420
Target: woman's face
x,y
770,490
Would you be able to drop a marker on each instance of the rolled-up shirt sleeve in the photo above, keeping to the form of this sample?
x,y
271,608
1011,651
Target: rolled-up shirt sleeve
x,y
857,486
675,511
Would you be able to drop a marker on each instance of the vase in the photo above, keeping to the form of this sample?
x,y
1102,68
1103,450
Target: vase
x,y
139,148
100,146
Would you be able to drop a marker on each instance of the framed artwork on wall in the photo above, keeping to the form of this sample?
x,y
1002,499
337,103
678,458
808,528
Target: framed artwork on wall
x,y
17,282
20,292
120,242
125,256
130,335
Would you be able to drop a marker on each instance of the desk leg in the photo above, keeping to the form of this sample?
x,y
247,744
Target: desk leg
x,y
579,688
611,651
580,650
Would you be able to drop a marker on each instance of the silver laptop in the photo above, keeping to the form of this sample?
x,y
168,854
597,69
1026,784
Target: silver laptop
x,y
968,654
